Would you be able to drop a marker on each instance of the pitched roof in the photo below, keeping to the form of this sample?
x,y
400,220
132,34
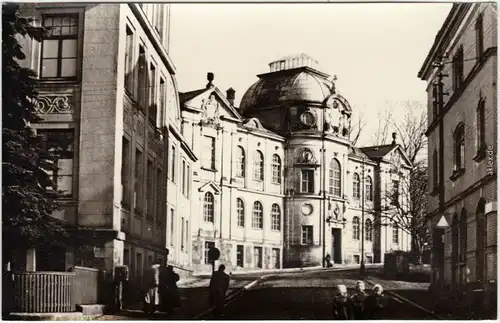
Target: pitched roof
x,y
186,96
356,152
378,151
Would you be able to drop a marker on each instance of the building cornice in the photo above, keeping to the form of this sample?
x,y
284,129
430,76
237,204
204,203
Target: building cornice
x,y
477,185
457,94
443,38
162,52
183,143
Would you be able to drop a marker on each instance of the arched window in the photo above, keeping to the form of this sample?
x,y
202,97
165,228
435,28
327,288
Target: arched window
x,y
459,147
208,207
395,233
368,230
481,130
480,241
334,178
276,179
240,161
355,186
454,248
258,166
257,215
355,228
275,218
369,188
240,212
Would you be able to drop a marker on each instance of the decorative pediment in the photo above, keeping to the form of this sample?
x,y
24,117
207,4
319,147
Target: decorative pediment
x,y
338,102
397,158
210,110
253,123
210,187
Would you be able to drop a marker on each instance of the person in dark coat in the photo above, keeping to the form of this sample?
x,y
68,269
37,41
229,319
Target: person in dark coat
x,y
169,291
219,283
375,303
357,302
340,308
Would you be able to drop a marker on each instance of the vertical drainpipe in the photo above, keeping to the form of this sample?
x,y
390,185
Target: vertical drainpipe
x,y
323,174
221,179
231,189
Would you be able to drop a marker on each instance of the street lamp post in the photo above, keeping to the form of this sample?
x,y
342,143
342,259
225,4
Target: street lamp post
x,y
362,265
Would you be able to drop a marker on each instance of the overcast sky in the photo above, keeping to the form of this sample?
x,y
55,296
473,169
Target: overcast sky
x,y
376,50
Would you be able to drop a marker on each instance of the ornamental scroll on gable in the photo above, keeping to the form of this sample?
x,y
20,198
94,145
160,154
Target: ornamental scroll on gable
x,y
210,111
53,104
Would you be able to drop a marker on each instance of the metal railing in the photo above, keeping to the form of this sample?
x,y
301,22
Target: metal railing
x,y
43,292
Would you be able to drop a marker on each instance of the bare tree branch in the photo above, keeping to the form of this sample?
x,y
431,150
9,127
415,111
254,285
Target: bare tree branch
x,y
356,129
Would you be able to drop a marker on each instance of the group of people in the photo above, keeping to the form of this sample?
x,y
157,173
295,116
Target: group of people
x,y
162,293
359,305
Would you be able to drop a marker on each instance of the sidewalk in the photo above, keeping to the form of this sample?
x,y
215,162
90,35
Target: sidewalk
x,y
194,300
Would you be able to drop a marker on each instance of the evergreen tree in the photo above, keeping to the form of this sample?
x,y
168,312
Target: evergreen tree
x,y
27,203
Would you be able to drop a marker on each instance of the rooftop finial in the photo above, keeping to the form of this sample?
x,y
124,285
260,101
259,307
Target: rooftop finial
x,y
210,78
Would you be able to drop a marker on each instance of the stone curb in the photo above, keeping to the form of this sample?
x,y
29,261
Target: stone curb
x,y
404,299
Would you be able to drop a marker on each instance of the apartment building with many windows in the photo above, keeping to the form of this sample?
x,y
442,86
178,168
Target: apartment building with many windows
x,y
461,75
110,109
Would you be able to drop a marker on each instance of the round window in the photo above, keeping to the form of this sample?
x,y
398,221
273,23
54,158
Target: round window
x,y
308,118
306,208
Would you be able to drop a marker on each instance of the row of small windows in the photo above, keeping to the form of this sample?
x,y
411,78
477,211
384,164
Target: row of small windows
x,y
257,213
258,166
356,230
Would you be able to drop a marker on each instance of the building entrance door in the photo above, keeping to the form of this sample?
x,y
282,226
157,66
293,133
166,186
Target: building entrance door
x,y
336,246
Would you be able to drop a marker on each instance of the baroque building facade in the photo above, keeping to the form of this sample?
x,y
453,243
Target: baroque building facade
x,y
279,183
110,108
462,135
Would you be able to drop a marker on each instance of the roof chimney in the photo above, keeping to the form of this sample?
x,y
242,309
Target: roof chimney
x,y
210,78
230,95
394,138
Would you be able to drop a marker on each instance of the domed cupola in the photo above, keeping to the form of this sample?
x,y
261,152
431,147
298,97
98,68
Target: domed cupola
x,y
296,96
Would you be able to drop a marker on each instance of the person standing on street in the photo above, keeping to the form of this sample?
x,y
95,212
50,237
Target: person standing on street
x,y
375,303
152,297
219,283
340,309
357,301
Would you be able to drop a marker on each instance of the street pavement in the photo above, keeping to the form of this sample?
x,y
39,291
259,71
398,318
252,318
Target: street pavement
x,y
309,296
304,295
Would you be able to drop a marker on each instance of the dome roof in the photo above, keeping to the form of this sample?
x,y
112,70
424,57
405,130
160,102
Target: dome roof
x,y
281,86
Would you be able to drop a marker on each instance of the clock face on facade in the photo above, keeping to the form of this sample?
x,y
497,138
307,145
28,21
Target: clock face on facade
x,y
306,208
308,118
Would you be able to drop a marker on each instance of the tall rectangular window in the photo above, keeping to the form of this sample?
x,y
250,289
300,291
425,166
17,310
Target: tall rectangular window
x,y
142,80
60,46
275,258
395,192
187,235
395,233
138,180
160,198
479,37
240,252
58,145
150,191
173,157
152,95
307,181
172,222
125,172
163,105
481,129
208,150
182,233
435,170
129,61
183,188
208,245
188,179
307,234
138,265
458,68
